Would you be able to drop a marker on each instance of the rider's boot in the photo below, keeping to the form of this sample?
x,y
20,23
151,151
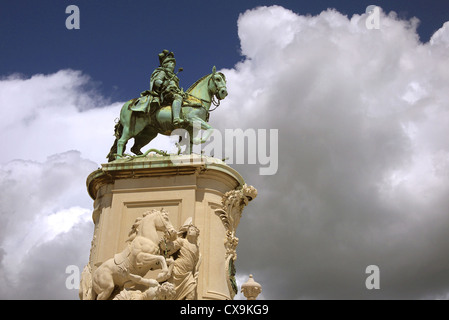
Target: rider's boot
x,y
176,107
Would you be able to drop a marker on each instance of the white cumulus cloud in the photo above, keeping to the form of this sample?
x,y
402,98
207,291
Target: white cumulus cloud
x,y
363,120
363,157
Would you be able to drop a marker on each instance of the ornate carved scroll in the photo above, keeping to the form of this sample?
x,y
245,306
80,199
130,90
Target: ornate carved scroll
x,y
230,213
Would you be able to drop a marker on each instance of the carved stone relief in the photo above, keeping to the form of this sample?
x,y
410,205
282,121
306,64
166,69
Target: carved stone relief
x,y
122,276
230,213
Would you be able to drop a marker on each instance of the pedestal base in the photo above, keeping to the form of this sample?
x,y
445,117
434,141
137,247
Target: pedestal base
x,y
203,188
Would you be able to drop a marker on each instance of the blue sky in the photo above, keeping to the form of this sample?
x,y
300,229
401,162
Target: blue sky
x,y
118,42
362,117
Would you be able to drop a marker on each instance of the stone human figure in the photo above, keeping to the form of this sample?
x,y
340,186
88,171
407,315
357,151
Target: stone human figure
x,y
155,291
184,270
164,86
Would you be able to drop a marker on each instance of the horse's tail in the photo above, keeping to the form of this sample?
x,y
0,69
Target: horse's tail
x,y
118,129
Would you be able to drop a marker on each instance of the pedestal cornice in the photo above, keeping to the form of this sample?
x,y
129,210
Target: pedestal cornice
x,y
155,166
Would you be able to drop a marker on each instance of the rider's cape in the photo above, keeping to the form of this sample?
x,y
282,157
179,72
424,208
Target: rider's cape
x,y
144,103
120,258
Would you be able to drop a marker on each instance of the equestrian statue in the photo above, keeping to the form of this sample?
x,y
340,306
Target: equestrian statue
x,y
166,107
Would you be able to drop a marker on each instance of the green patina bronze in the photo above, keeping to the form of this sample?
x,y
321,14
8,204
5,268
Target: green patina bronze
x,y
166,107
231,276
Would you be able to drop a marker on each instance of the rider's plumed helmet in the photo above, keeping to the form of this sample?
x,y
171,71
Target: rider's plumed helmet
x,y
166,56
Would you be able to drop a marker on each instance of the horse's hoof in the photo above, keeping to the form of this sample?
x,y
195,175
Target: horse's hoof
x,y
180,123
136,151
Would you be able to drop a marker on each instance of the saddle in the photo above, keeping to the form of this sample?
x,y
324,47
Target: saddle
x,y
144,103
191,101
120,258
148,102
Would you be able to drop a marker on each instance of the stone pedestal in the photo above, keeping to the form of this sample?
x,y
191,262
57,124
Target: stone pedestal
x,y
204,188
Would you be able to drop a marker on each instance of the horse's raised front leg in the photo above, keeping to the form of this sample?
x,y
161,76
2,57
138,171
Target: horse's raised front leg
x,y
155,261
197,125
139,280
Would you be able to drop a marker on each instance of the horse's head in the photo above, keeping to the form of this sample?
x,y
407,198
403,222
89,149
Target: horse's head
x,y
164,224
217,84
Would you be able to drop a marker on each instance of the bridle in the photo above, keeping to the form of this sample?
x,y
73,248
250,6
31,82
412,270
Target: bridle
x,y
165,223
216,103
215,100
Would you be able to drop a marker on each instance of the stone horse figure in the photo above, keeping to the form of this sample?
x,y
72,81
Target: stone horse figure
x,y
144,127
141,255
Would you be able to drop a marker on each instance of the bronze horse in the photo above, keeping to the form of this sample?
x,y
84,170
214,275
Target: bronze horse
x,y
144,127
